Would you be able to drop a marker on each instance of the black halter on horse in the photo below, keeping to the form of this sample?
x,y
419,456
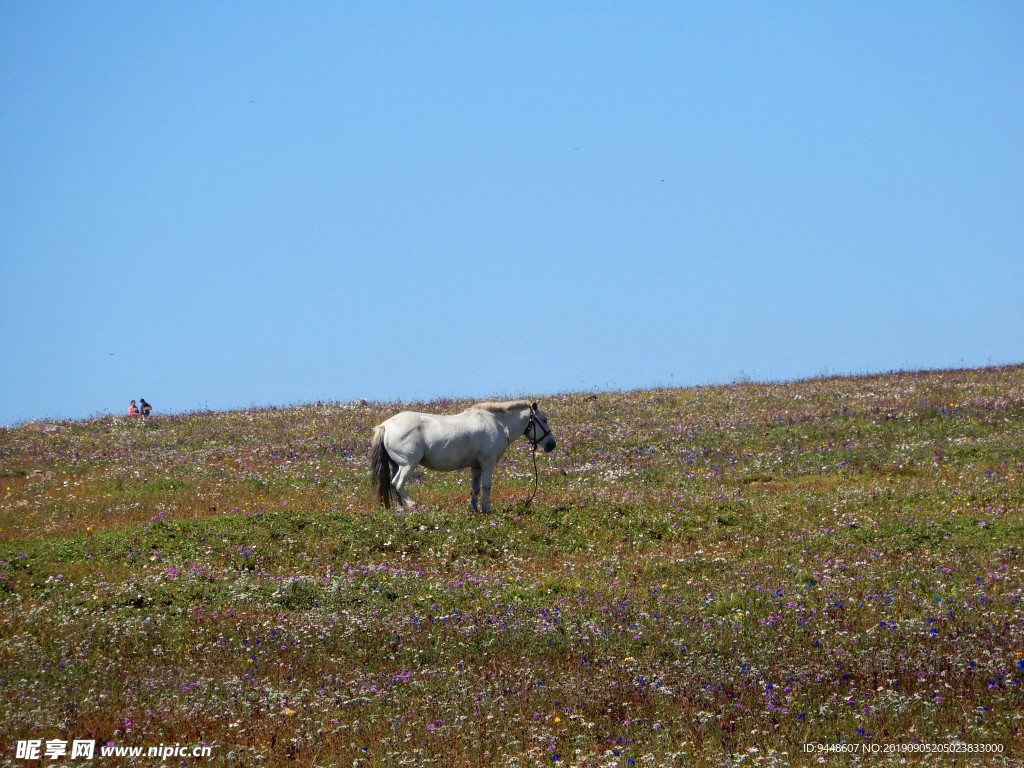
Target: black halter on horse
x,y
534,421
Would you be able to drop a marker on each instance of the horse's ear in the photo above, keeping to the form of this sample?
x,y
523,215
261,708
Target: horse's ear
x,y
534,407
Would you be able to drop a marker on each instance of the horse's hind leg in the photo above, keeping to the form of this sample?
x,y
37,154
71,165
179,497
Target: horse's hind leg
x,y
399,481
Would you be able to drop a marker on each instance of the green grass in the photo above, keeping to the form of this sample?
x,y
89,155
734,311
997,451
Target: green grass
x,y
708,576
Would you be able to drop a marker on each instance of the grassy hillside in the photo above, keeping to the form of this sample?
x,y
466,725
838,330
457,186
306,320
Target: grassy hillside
x,y
708,576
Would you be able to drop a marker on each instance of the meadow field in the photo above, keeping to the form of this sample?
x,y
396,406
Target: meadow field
x,y
825,572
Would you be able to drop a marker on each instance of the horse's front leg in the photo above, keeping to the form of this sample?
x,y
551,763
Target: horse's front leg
x,y
475,480
485,477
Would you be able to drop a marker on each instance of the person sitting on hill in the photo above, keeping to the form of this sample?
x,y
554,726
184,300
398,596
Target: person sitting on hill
x,y
133,409
146,407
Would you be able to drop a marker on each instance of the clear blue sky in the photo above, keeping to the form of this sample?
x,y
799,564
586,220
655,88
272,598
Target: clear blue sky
x,y
214,205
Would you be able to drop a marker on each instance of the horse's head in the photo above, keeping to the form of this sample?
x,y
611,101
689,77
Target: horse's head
x,y
537,431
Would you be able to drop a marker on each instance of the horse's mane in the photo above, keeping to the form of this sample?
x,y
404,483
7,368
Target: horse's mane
x,y
511,405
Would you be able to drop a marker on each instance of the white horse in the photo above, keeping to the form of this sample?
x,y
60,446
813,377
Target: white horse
x,y
475,438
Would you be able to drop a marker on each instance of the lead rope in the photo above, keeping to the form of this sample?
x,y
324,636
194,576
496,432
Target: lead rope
x,y
536,478
536,474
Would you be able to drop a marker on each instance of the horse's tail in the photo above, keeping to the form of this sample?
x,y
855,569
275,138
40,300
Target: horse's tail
x,y
380,469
